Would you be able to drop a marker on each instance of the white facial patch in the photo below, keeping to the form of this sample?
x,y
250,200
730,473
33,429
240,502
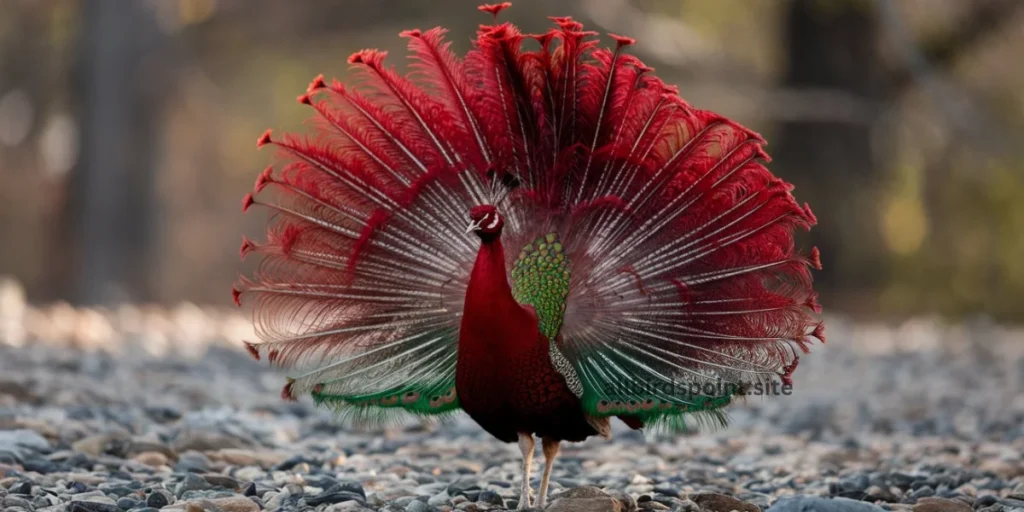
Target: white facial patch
x,y
493,223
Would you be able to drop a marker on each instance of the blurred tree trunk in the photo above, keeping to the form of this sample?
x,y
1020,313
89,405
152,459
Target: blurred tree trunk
x,y
109,220
834,45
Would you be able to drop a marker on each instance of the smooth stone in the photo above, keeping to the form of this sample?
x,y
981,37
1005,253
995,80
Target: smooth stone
x,y
141,446
279,500
20,439
333,496
231,504
714,502
439,499
941,505
404,501
193,462
77,487
455,488
605,504
249,473
351,486
45,501
249,489
587,491
491,498
202,441
754,498
119,491
221,481
191,482
628,502
162,414
127,503
687,506
113,443
159,498
22,488
290,464
347,506
9,457
40,465
14,501
417,506
922,492
855,484
818,504
653,505
246,457
667,491
82,496
878,493
95,505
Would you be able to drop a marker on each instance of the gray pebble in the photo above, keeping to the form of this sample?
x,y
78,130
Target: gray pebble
x,y
417,506
817,504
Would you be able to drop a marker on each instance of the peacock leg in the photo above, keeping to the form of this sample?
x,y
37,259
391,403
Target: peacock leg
x,y
526,445
550,447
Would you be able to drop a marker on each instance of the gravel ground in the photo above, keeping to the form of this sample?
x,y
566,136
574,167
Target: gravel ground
x,y
921,417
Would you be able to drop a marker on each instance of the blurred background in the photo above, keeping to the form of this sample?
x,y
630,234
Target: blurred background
x,y
128,129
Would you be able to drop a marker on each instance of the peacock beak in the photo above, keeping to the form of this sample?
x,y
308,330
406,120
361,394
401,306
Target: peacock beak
x,y
473,226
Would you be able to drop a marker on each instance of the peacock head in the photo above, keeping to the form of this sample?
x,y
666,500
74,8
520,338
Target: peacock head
x,y
485,221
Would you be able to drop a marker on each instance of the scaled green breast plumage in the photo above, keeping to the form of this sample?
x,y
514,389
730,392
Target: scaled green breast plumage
x,y
540,278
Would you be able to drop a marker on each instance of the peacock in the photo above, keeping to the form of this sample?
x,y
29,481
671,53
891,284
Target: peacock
x,y
540,234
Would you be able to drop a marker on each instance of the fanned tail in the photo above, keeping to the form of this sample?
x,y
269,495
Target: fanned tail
x,y
675,241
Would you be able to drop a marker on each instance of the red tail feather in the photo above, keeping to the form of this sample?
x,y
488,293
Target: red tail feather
x,y
679,240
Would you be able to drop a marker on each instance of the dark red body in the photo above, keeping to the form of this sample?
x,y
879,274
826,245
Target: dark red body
x,y
504,376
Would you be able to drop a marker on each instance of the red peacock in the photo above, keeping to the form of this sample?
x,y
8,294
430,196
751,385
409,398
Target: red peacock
x,y
622,245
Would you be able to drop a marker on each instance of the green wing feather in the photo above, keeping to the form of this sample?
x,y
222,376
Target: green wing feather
x,y
436,398
671,411
368,391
